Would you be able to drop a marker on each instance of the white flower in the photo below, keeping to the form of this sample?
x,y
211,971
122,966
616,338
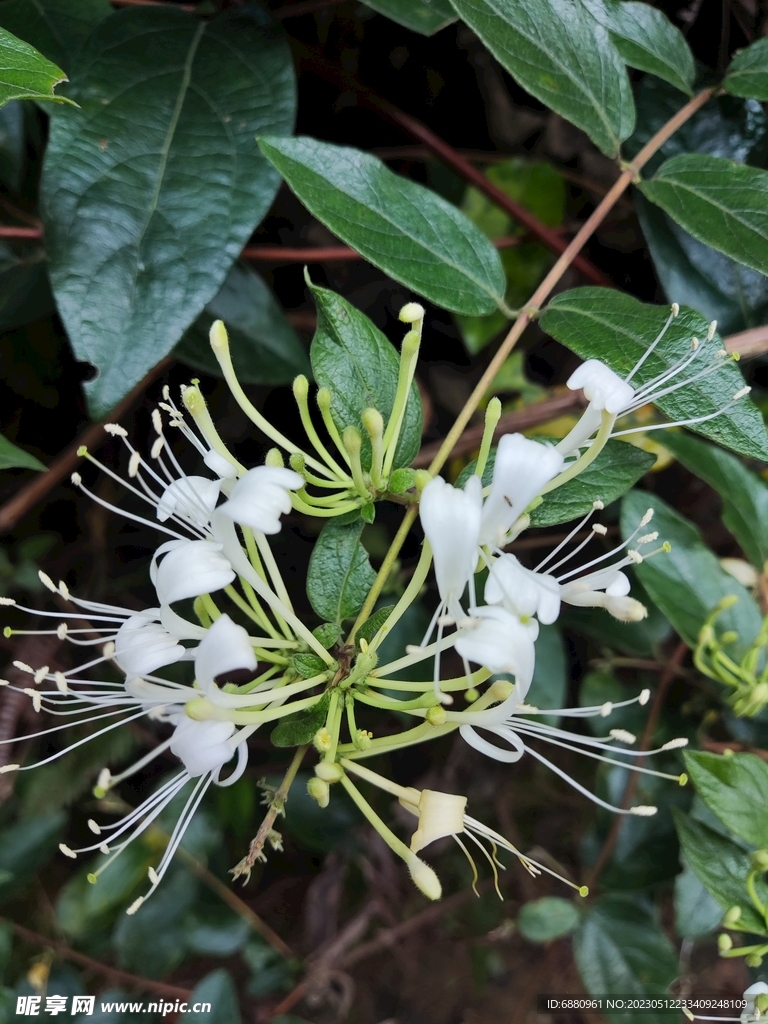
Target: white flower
x,y
260,497
451,521
190,568
499,640
604,389
224,648
606,589
202,746
190,497
523,591
522,468
143,645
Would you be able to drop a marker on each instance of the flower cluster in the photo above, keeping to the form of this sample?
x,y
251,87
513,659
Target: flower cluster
x,y
223,610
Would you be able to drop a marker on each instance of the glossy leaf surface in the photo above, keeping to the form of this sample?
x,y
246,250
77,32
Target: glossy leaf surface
x,y
423,16
734,788
25,74
748,72
57,28
340,574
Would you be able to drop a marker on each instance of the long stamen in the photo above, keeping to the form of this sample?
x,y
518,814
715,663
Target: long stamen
x,y
675,310
77,480
596,506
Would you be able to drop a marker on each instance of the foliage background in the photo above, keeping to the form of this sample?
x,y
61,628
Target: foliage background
x,y
335,895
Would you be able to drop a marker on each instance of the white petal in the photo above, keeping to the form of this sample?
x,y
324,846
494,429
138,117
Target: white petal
x,y
221,467
523,591
260,497
143,645
501,642
191,497
604,388
440,814
522,468
191,568
224,647
451,521
202,746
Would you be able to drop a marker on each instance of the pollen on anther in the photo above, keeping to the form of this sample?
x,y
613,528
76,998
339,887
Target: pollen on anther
x,y
156,448
104,849
22,666
35,697
7,601
9,768
598,505
157,421
61,683
133,464
675,309
64,590
46,580
166,393
680,741
694,344
711,331
109,649
67,852
153,875
623,735
61,631
135,906
742,393
647,517
41,674
645,696
606,709
94,827
599,529
115,430
636,557
76,479
643,810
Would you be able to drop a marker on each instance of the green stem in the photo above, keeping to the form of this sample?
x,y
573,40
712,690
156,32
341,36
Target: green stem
x,y
607,421
409,595
396,845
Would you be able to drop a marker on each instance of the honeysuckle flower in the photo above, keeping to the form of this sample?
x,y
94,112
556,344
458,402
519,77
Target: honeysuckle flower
x,y
189,568
224,648
612,396
522,468
143,644
451,518
500,641
523,591
512,725
259,498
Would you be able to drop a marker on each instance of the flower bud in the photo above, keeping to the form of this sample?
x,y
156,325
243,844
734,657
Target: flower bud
x,y
329,771
760,860
218,335
300,388
352,440
319,790
436,715
424,878
724,942
411,312
373,422
732,916
753,960
322,740
274,458
362,739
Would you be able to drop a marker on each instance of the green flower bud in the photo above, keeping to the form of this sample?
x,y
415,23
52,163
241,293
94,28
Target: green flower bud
x,y
760,860
724,942
329,771
319,790
436,715
732,916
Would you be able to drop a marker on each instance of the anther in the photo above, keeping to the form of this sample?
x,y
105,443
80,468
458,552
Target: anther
x,y
599,529
76,479
680,741
157,421
94,827
109,649
5,768
623,736
34,696
598,505
61,631
606,709
7,601
156,448
104,849
4,682
166,393
22,666
64,590
636,557
643,810
645,696
711,331
46,580
647,517
153,875
115,430
742,393
67,852
695,344
648,538
41,674
61,683
675,309
136,903
133,464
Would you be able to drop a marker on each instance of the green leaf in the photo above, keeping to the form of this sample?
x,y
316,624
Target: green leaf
x,y
57,28
299,728
618,466
423,16
402,228
151,942
687,582
313,827
744,493
328,634
216,931
218,991
25,74
735,788
550,673
402,480
308,665
554,49
355,361
647,40
83,907
265,348
748,72
619,947
138,243
371,626
340,575
13,457
723,204
26,846
599,323
634,638
722,866
546,919
697,912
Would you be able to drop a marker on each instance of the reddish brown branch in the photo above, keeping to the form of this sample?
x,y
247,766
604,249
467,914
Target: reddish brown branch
x,y
63,950
13,231
93,437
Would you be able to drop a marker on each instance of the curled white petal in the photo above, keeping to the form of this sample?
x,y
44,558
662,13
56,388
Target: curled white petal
x,y
260,497
202,746
523,591
189,568
604,388
224,648
191,497
143,645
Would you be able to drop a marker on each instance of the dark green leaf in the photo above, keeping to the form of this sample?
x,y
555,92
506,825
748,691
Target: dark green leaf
x,y
27,846
13,144
697,913
299,728
424,16
265,348
647,40
316,828
327,634
723,868
748,72
723,204
83,907
308,665
218,933
401,481
619,947
218,995
25,74
554,49
270,972
638,638
618,466
735,788
550,673
13,457
548,918
151,942
354,360
371,626
57,28
138,244
744,493
604,324
687,582
694,274
401,227
340,574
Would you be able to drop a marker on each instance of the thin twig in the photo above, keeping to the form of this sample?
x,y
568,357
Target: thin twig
x,y
233,900
63,950
13,231
276,807
717,747
92,438
329,253
647,738
451,157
